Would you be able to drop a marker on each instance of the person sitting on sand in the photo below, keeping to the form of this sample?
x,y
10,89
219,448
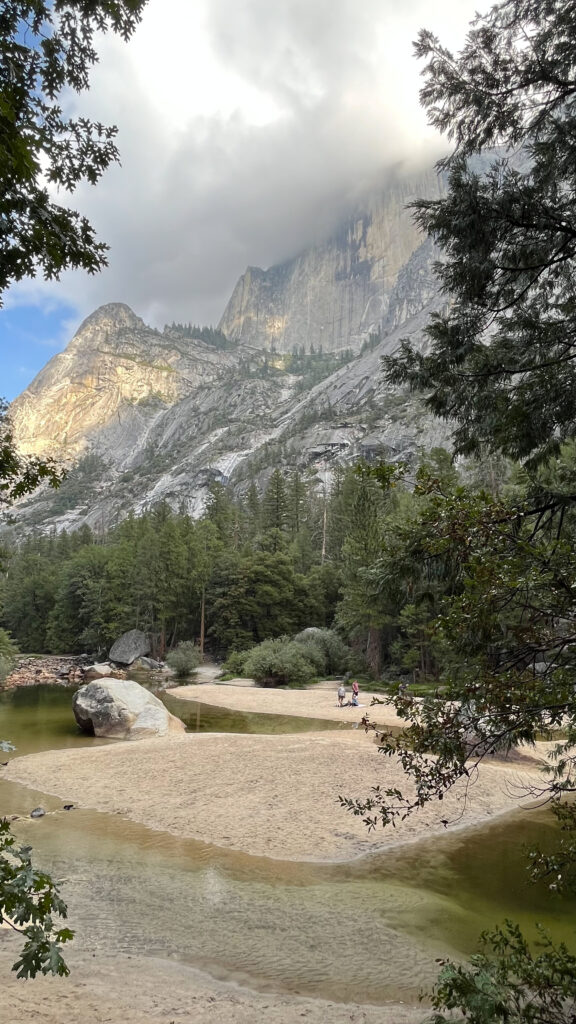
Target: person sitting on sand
x,y
341,695
354,701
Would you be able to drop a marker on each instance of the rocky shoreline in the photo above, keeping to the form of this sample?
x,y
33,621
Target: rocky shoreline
x,y
48,670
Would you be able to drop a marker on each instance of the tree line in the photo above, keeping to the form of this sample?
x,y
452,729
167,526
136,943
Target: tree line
x,y
269,562
351,552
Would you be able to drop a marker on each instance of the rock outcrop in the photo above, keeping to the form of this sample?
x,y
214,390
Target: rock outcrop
x,y
122,709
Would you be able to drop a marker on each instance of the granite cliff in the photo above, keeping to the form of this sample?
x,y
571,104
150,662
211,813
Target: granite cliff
x,y
333,295
143,415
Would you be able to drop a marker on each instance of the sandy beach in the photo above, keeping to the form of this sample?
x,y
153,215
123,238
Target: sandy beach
x,y
266,795
320,701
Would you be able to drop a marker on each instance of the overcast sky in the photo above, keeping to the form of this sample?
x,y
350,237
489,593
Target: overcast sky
x,y
246,127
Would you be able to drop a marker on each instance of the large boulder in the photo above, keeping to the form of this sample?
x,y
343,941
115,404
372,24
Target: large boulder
x,y
129,646
122,709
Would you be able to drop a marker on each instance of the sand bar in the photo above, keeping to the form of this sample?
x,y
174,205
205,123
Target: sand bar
x,y
274,796
318,702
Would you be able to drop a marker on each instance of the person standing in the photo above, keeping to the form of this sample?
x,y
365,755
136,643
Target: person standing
x,y
341,695
355,689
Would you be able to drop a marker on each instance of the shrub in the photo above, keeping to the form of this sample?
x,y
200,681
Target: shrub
x,y
8,654
184,659
325,648
235,662
279,662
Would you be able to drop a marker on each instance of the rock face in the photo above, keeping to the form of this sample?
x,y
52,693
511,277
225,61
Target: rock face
x,y
145,416
131,645
337,292
122,709
116,370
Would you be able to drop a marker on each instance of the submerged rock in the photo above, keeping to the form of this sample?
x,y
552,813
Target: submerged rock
x,y
122,709
129,646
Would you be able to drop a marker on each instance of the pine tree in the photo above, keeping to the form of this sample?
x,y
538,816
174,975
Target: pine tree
x,y
501,364
275,512
359,611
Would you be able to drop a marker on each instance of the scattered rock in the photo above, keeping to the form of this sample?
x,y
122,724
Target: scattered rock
x,y
131,645
48,670
122,709
38,812
68,807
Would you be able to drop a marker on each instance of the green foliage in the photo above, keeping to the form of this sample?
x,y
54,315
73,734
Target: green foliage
x,y
234,664
496,594
501,360
280,662
8,654
361,613
325,649
275,507
46,48
184,659
313,367
29,900
77,488
292,662
209,335
508,984
558,868
500,366
256,596
372,341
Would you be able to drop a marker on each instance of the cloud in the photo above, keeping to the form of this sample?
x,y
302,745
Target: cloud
x,y
246,130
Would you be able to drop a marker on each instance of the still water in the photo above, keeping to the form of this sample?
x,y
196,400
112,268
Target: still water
x,y
367,931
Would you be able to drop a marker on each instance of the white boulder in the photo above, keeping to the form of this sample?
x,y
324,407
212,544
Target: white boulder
x,y
122,709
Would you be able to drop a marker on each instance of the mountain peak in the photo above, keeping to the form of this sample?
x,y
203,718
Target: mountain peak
x,y
116,314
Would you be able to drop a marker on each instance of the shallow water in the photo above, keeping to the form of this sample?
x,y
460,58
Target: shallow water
x,y
200,717
365,931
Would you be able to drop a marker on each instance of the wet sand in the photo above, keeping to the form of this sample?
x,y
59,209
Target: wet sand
x,y
138,990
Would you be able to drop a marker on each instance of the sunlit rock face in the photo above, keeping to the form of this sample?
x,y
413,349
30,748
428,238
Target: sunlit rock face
x,y
144,416
335,293
114,366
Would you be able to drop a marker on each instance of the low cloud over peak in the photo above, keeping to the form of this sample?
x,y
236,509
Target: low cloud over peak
x,y
246,131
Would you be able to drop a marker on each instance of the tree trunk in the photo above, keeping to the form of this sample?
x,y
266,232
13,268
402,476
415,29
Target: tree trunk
x,y
202,610
374,651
